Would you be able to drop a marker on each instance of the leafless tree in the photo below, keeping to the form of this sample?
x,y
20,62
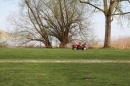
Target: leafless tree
x,y
42,20
65,19
29,24
110,9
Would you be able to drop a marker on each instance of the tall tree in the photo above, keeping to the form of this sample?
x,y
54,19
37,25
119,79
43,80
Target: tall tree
x,y
29,23
109,8
41,20
64,18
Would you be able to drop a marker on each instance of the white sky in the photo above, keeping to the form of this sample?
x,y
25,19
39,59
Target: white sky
x,y
116,31
7,7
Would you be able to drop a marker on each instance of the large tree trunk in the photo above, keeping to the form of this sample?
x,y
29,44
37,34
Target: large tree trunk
x,y
62,45
107,41
63,42
48,44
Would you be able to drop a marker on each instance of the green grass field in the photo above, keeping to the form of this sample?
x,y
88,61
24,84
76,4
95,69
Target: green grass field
x,y
64,74
23,53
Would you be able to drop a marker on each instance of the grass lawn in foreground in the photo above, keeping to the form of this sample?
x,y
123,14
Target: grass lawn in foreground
x,y
64,74
26,53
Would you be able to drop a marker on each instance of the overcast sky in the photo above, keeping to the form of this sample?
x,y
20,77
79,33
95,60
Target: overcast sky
x,y
7,7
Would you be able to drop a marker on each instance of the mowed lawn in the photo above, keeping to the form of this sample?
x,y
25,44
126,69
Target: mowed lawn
x,y
64,74
36,54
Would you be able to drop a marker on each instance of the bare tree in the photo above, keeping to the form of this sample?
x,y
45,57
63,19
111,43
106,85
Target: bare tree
x,y
41,20
110,9
29,24
64,19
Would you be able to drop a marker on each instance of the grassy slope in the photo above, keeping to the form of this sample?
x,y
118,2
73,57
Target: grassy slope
x,y
113,54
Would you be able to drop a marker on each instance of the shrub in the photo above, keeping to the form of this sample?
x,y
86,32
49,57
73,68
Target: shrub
x,y
3,44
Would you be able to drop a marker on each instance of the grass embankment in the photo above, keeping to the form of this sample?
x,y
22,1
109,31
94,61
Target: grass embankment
x,y
67,74
36,54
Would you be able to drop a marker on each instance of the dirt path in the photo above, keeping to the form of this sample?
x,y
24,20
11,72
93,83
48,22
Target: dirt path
x,y
64,61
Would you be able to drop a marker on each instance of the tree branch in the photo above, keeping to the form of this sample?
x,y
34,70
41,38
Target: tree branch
x,y
92,5
122,13
124,0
